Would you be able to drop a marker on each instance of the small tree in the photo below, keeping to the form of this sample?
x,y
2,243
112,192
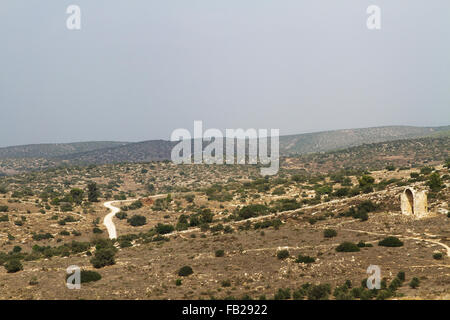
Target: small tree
x,y
185,271
435,182
390,242
77,195
13,265
137,220
329,233
93,192
347,247
220,253
283,254
415,282
103,257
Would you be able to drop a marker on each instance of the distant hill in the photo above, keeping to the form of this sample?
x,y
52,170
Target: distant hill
x,y
339,139
51,150
155,150
145,151
289,145
376,156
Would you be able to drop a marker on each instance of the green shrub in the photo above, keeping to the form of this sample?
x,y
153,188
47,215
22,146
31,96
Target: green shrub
x,y
384,294
178,282
304,259
347,247
164,228
87,276
135,205
103,257
97,230
395,284
185,271
435,182
319,292
401,275
121,215
125,243
226,283
437,256
220,253
329,233
137,220
228,229
282,294
390,242
42,236
415,282
13,265
283,254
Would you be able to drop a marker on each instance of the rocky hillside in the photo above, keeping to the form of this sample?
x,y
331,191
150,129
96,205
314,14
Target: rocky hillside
x,y
52,150
155,150
340,139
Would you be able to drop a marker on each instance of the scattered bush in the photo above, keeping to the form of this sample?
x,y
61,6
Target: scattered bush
x,y
329,233
219,253
437,256
121,215
282,294
415,282
137,220
13,265
390,242
283,254
319,292
164,228
103,257
185,271
304,259
401,275
87,276
347,247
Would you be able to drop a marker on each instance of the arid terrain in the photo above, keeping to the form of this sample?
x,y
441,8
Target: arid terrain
x,y
237,234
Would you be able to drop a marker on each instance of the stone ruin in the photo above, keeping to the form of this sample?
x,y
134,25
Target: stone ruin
x,y
414,203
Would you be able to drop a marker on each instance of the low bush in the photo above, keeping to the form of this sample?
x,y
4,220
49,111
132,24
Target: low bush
x,y
219,253
137,220
87,276
103,257
437,256
304,259
185,271
390,242
329,233
282,294
13,265
164,228
283,254
347,247
415,282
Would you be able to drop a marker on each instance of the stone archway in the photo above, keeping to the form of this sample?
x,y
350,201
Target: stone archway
x,y
409,205
414,202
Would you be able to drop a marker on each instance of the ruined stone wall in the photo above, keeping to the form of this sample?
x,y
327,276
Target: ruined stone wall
x,y
414,203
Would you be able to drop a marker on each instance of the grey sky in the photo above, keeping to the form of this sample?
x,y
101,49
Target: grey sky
x,y
139,69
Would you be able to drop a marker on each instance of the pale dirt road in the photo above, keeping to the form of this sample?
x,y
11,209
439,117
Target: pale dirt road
x,y
108,220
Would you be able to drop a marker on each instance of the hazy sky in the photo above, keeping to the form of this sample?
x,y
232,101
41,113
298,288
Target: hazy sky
x,y
138,69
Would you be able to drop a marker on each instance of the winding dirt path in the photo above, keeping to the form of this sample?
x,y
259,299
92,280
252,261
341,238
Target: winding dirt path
x,y
108,220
